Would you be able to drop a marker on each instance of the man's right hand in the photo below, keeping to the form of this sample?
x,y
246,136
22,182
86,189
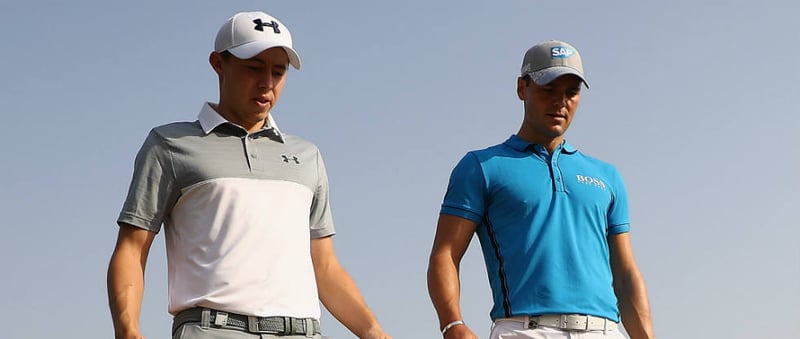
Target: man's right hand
x,y
134,335
460,332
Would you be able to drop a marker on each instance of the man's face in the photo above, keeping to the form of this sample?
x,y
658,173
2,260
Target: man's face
x,y
549,109
250,88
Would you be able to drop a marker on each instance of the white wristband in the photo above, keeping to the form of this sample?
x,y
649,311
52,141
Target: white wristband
x,y
451,325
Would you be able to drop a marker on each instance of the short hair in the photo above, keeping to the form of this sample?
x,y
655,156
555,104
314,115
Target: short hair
x,y
528,79
226,55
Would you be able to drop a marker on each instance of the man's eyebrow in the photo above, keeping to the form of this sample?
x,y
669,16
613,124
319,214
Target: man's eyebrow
x,y
264,63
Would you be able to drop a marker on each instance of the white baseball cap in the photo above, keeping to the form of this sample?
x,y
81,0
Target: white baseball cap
x,y
247,34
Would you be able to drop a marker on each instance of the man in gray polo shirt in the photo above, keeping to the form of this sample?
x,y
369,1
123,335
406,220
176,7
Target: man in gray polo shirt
x,y
244,206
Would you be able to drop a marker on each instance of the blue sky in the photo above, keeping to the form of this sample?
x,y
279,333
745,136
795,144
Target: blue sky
x,y
694,102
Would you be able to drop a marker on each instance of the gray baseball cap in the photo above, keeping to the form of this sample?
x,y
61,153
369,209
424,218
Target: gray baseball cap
x,y
247,34
546,61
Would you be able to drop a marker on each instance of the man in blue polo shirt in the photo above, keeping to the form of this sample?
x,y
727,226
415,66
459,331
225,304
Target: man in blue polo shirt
x,y
244,207
552,223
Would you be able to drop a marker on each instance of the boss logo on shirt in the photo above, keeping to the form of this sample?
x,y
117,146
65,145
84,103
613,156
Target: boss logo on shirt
x,y
586,180
290,159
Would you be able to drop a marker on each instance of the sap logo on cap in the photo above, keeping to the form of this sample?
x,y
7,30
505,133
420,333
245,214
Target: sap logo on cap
x,y
561,52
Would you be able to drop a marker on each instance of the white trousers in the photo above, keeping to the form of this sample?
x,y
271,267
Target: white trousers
x,y
517,328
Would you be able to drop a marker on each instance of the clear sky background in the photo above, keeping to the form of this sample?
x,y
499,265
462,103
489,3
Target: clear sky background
x,y
695,102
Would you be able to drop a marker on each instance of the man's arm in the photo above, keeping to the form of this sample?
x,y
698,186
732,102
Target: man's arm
x,y
126,279
339,293
630,288
453,235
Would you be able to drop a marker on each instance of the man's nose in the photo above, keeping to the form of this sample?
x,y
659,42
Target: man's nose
x,y
267,81
560,99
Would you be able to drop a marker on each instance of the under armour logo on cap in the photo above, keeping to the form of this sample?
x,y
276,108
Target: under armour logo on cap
x,y
260,25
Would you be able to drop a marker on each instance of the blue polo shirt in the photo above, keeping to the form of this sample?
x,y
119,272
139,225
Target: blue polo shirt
x,y
542,225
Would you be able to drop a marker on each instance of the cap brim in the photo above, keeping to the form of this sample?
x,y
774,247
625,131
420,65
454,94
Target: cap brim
x,y
547,75
251,49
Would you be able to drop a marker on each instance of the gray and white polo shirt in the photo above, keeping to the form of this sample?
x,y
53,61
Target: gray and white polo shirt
x,y
238,211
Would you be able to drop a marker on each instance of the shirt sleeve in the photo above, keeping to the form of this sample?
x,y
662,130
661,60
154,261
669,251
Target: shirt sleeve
x,y
152,191
321,217
466,191
618,215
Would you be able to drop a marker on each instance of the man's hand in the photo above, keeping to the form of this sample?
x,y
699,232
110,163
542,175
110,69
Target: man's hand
x,y
460,332
339,293
132,335
376,333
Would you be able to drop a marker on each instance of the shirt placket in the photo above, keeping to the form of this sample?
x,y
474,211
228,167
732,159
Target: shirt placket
x,y
255,159
556,177
555,171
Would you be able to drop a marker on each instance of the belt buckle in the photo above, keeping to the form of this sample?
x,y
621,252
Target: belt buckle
x,y
562,323
254,326
298,326
221,319
572,322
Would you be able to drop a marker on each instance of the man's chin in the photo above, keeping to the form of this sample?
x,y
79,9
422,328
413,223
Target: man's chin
x,y
557,131
260,114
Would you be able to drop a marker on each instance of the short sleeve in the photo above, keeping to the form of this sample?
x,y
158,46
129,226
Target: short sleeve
x,y
152,191
321,217
466,190
618,214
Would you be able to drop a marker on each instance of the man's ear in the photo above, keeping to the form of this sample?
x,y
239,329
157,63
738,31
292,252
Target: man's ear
x,y
521,84
215,59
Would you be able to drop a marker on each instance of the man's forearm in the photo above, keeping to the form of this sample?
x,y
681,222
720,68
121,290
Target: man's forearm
x,y
340,295
635,308
125,282
444,288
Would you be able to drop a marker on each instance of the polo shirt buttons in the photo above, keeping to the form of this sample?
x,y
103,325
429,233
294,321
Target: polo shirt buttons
x,y
253,155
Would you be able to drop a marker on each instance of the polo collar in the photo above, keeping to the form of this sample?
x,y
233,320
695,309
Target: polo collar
x,y
210,119
522,145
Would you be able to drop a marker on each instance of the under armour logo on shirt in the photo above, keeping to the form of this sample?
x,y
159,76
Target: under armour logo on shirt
x,y
286,158
260,26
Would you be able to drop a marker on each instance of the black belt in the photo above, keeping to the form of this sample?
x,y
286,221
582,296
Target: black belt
x,y
271,325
